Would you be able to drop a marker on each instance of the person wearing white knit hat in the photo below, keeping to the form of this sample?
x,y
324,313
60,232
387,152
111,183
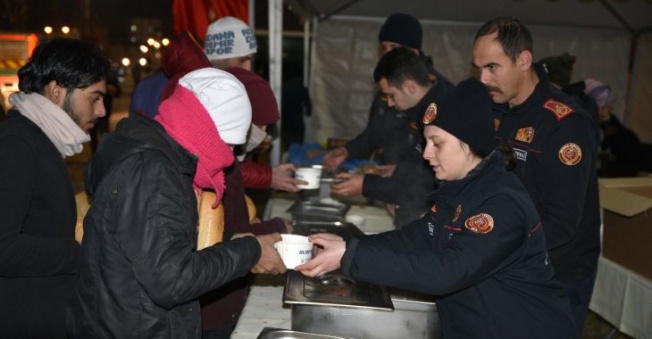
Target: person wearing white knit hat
x,y
229,42
139,262
225,98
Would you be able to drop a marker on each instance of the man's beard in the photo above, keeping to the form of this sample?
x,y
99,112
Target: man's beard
x,y
67,107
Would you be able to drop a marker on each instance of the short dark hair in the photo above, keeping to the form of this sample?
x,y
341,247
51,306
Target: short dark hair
x,y
513,36
400,64
71,63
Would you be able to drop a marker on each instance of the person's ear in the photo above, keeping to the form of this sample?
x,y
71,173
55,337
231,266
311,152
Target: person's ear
x,y
524,60
55,92
410,86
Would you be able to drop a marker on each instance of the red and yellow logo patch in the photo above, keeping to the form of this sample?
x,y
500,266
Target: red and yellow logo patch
x,y
480,223
560,110
431,114
570,154
525,134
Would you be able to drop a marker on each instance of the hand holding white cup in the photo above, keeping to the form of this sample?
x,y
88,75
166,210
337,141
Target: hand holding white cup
x,y
311,175
294,250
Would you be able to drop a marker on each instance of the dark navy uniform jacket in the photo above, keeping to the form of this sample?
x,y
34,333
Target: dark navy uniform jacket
x,y
482,250
410,165
556,144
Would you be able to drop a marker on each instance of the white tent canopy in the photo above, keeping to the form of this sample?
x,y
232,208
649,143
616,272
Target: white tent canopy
x,y
611,40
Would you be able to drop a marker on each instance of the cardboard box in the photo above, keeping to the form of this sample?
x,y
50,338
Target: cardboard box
x,y
627,218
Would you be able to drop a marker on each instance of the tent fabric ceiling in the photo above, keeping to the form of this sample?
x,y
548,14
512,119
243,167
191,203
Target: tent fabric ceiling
x,y
632,15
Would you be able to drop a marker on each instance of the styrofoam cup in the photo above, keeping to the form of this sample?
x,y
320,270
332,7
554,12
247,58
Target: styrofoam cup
x,y
294,250
311,175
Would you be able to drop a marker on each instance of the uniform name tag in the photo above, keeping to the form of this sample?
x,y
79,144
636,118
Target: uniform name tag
x,y
520,154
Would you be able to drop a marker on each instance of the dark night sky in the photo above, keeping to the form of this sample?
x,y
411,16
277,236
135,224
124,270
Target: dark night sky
x,y
33,15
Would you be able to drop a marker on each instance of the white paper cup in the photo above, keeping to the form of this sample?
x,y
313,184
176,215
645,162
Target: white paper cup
x,y
311,175
294,250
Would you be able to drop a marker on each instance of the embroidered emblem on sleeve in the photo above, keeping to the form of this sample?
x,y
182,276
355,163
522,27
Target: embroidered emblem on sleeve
x,y
480,223
570,154
560,110
458,211
431,114
525,134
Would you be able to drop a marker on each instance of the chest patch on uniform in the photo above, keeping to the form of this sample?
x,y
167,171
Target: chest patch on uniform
x,y
431,114
560,110
570,154
458,211
525,134
480,223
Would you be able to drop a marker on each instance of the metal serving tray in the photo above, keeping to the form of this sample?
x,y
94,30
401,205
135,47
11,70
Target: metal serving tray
x,y
315,210
343,229
278,333
334,289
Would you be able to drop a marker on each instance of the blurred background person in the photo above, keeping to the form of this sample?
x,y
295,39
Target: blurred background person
x,y
620,148
296,104
230,42
560,72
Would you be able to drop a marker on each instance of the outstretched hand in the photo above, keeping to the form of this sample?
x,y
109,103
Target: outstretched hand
x,y
328,249
332,159
283,180
270,261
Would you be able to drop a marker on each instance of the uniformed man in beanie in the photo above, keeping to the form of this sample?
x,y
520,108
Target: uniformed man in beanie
x,y
398,30
480,247
405,83
388,129
556,145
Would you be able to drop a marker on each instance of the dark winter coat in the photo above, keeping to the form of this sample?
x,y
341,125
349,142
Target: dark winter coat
x,y
38,251
482,250
140,275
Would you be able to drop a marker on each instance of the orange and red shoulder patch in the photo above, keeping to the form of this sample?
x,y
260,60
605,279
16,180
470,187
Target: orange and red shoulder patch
x,y
559,109
480,223
570,154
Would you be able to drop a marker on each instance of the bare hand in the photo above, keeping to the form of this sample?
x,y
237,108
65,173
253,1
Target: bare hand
x,y
332,159
352,186
329,257
326,236
283,180
270,261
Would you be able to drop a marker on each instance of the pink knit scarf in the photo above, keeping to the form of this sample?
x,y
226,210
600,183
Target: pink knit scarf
x,y
187,121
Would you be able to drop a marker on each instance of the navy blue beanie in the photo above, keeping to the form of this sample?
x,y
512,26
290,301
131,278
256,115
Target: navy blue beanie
x,y
465,112
402,29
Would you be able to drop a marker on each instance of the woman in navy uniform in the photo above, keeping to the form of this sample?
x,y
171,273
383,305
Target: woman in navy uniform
x,y
480,248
